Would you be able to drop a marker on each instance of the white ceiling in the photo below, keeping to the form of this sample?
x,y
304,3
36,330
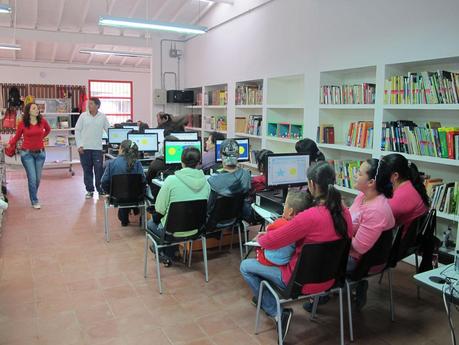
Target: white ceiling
x,y
55,30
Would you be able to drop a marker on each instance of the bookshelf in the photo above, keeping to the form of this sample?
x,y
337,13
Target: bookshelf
x,y
194,111
248,110
214,110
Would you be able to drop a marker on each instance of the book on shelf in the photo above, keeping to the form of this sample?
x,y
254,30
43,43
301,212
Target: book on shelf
x,y
348,94
254,125
429,140
444,196
216,97
241,124
440,87
216,123
249,94
194,120
199,98
360,134
326,134
346,172
61,140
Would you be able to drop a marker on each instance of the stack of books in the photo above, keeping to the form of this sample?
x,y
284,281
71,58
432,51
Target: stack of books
x,y
194,120
216,123
249,95
346,172
348,94
254,125
360,134
440,87
216,97
326,134
444,196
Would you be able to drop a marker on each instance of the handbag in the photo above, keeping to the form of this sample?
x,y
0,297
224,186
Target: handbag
x,y
10,150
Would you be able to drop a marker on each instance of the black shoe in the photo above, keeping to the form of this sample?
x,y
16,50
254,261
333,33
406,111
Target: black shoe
x,y
285,319
309,305
361,294
254,301
124,223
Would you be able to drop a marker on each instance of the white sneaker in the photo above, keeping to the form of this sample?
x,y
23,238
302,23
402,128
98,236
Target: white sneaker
x,y
89,195
36,206
3,204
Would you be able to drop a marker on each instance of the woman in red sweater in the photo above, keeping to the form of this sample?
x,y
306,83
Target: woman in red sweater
x,y
33,128
410,198
326,221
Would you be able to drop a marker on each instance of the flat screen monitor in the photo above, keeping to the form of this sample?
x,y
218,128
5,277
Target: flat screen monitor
x,y
173,149
159,132
132,127
286,170
145,142
117,135
244,154
185,135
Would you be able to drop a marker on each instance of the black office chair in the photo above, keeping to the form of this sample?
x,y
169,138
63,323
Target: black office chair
x,y
183,216
318,263
126,191
372,263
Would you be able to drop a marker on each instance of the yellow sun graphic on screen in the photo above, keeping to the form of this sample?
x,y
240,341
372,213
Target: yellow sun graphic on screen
x,y
292,171
144,142
172,151
241,150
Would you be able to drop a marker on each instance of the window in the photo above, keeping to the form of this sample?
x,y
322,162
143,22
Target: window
x,y
115,98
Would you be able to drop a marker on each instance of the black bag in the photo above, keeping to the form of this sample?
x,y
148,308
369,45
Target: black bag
x,y
427,241
14,97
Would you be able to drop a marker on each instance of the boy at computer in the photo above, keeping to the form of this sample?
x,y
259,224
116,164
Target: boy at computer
x,y
296,202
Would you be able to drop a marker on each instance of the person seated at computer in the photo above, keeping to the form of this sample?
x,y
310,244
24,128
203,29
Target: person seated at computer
x,y
326,221
231,180
186,184
309,147
371,215
208,157
171,123
295,203
410,199
142,126
125,163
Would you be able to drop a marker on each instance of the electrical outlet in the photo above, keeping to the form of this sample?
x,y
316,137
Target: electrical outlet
x,y
159,97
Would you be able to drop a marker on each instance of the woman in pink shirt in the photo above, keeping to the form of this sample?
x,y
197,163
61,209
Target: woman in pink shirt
x,y
410,198
371,215
326,221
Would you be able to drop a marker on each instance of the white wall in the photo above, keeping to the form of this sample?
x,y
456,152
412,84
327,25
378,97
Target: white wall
x,y
49,75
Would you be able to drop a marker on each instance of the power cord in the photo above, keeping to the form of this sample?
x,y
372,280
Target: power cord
x,y
451,284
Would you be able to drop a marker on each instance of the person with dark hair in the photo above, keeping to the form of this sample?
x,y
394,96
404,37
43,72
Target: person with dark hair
x,y
309,147
171,123
410,199
89,130
326,221
33,129
186,184
126,163
371,215
208,157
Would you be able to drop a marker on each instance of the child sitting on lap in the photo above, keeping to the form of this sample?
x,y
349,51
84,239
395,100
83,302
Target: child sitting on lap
x,y
296,202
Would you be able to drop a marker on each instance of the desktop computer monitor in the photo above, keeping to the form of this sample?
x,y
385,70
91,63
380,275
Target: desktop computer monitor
x,y
173,149
132,127
286,170
185,135
145,142
117,135
244,154
159,132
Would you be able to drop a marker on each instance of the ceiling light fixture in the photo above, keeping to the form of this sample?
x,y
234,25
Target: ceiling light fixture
x,y
231,2
6,46
4,8
132,23
114,52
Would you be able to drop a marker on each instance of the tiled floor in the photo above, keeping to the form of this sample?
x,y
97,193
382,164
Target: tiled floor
x,y
61,284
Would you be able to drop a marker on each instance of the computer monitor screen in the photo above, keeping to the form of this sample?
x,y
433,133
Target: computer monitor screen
x,y
173,149
185,135
159,132
286,170
145,142
117,135
132,127
243,150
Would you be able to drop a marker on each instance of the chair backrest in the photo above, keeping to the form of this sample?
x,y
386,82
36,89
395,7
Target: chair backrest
x,y
318,263
226,211
376,257
186,216
127,189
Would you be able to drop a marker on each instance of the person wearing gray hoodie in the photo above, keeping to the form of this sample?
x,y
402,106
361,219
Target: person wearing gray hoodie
x,y
186,184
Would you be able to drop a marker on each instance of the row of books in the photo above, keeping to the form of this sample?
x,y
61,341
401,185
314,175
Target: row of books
x,y
444,196
430,140
360,134
348,94
250,125
58,140
199,98
249,94
326,134
216,97
194,120
215,123
346,172
440,87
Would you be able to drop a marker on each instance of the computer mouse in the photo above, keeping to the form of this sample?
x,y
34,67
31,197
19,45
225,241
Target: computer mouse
x,y
438,280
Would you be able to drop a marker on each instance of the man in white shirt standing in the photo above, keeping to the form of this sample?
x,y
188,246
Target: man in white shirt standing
x,y
88,135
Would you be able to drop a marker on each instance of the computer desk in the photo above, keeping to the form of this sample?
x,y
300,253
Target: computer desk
x,y
447,273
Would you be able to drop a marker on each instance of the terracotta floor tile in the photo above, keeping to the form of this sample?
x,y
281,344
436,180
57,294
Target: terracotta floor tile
x,y
153,336
87,315
186,332
216,323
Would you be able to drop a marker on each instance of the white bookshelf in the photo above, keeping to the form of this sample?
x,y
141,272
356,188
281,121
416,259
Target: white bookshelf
x,y
346,148
347,106
422,106
245,135
255,106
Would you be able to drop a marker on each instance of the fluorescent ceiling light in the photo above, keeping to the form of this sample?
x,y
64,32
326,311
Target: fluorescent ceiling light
x,y
114,52
151,25
10,46
4,8
231,2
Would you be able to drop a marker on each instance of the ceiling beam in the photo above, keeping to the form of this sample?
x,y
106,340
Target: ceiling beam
x,y
179,11
134,8
91,56
111,6
160,10
74,51
138,62
107,59
84,14
35,14
74,37
60,14
34,50
202,14
53,56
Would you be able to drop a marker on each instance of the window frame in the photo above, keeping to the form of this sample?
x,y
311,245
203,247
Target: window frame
x,y
131,115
